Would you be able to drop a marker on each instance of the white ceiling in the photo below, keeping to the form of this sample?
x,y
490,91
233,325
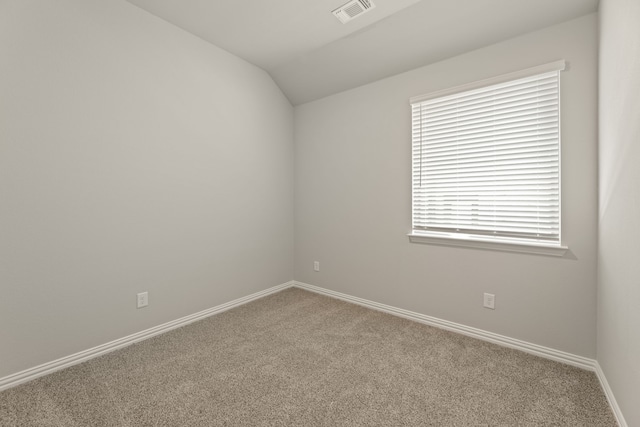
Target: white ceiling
x,y
310,54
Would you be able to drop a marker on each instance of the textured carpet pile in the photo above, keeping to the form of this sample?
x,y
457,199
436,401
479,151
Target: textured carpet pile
x,y
296,358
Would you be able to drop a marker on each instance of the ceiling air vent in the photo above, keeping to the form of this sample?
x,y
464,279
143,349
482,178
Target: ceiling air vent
x,y
353,9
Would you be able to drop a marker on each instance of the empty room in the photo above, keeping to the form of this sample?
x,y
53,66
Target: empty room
x,y
319,213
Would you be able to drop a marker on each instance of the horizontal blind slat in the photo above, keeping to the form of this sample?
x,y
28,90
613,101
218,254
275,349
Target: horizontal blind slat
x,y
487,161
471,95
543,99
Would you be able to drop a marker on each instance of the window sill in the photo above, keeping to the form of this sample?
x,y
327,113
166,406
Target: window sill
x,y
449,239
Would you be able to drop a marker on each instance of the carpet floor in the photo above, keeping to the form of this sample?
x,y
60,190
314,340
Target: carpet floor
x,y
296,358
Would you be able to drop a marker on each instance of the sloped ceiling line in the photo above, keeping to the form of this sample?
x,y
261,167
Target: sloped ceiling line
x,y
310,54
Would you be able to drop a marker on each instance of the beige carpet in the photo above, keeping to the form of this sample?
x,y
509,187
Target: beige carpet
x,y
300,359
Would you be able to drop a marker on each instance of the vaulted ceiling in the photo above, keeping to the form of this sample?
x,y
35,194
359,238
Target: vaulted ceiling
x,y
310,54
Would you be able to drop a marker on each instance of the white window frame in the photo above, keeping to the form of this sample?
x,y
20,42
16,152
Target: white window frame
x,y
484,241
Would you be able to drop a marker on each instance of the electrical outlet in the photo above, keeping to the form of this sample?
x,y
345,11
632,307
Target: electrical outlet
x,y
490,301
316,265
143,299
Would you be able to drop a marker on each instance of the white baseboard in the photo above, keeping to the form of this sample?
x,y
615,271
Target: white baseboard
x,y
610,397
64,362
548,353
538,350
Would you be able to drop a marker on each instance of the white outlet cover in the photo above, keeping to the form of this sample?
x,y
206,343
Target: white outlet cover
x,y
142,299
490,301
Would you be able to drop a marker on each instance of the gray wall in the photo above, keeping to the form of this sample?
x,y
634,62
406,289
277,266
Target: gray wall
x,y
619,236
136,157
133,157
352,201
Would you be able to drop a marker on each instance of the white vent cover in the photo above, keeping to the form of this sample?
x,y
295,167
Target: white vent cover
x,y
351,10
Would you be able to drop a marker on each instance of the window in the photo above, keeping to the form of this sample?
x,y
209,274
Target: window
x,y
486,163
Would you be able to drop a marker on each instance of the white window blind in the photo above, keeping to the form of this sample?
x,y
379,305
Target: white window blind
x,y
486,161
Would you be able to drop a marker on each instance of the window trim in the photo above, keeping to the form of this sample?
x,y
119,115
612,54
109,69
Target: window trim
x,y
487,242
560,65
476,242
